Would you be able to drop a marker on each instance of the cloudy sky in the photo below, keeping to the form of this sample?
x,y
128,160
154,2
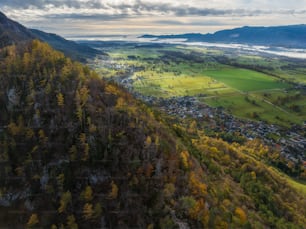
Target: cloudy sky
x,y
71,18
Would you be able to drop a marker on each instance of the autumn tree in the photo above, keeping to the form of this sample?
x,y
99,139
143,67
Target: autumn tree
x,y
185,160
65,200
60,99
169,190
33,221
97,210
87,194
114,191
88,211
240,213
71,224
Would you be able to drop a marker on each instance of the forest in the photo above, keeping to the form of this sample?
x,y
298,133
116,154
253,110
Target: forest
x,y
80,152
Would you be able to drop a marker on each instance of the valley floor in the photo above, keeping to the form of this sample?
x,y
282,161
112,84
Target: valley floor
x,y
239,94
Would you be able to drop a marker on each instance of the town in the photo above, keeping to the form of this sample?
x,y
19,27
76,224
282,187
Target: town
x,y
290,142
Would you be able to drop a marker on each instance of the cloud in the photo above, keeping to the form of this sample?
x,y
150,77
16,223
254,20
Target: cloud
x,y
177,8
121,16
43,4
94,17
106,9
169,22
189,23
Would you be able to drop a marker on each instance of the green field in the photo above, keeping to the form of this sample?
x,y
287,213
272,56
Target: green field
x,y
252,107
245,80
192,79
168,84
291,101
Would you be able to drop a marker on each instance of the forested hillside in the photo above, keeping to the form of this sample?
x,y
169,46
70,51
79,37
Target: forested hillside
x,y
77,152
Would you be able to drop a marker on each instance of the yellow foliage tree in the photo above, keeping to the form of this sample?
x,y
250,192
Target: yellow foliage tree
x,y
88,194
71,224
111,89
79,113
86,152
197,187
13,128
185,159
253,174
65,199
85,146
220,224
157,140
240,213
60,99
169,190
120,103
88,211
205,218
60,180
192,129
82,138
197,209
26,61
30,133
114,191
84,95
97,211
42,136
48,89
33,220
148,141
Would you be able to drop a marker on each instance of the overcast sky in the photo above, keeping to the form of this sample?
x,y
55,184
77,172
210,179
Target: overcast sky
x,y
101,17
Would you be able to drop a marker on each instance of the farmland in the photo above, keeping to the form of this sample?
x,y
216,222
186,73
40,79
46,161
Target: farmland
x,y
249,86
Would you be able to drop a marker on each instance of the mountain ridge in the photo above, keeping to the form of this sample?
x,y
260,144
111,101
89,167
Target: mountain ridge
x,y
291,36
12,32
72,49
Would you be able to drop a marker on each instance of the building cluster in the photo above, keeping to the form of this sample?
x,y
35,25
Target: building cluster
x,y
290,142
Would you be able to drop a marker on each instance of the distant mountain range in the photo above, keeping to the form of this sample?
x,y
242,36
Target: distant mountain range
x,y
292,36
12,32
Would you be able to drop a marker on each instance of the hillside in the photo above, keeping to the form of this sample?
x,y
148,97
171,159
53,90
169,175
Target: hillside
x,y
73,142
70,48
12,32
292,36
79,152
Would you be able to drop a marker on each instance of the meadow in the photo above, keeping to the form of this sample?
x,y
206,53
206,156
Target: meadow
x,y
245,80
